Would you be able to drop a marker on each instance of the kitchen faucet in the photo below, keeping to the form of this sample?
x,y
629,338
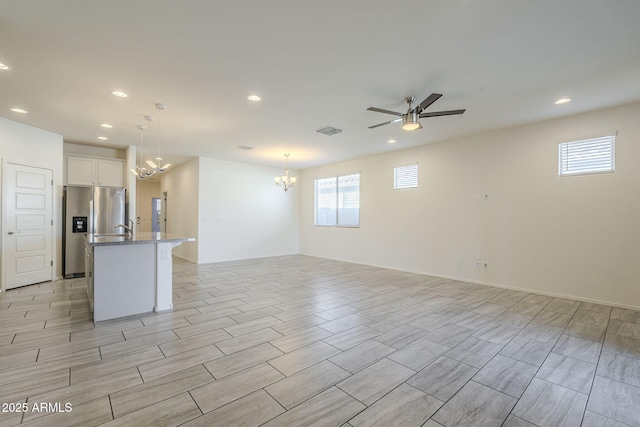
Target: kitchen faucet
x,y
129,227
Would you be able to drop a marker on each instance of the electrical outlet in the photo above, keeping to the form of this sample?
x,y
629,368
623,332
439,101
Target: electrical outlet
x,y
478,264
459,262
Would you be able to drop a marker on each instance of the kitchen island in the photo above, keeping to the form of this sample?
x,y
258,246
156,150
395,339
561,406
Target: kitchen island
x,y
129,275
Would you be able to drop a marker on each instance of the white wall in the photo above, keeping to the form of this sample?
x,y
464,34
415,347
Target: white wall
x,y
243,214
571,236
36,147
181,184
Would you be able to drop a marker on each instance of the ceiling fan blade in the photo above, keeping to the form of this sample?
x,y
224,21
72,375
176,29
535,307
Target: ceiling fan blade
x,y
442,113
385,123
428,101
380,110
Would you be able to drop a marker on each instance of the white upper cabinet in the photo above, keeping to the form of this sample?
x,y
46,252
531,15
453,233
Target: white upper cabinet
x,y
90,171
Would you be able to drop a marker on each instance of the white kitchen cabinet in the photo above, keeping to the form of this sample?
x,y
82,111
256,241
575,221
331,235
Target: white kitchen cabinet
x,y
92,171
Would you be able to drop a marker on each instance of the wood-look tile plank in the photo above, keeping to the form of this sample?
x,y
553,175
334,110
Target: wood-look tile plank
x,y
249,340
373,382
19,390
252,326
149,393
474,352
185,344
352,337
124,347
577,348
362,355
419,354
86,391
202,327
526,350
242,360
506,375
475,405
615,400
171,412
568,372
302,358
228,389
544,403
443,378
403,406
620,368
73,347
92,413
300,339
401,336
332,407
305,384
198,356
251,410
98,368
49,366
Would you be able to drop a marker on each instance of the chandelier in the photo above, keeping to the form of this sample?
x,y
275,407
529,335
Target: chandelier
x,y
285,181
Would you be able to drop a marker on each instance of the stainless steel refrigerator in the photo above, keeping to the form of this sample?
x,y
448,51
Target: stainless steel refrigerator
x,y
88,210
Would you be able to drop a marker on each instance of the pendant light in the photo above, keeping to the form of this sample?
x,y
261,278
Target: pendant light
x,y
151,163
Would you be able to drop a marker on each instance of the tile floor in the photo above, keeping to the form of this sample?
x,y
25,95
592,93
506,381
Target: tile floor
x,y
301,341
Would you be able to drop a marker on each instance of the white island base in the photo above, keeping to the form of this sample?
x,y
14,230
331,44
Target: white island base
x,y
130,276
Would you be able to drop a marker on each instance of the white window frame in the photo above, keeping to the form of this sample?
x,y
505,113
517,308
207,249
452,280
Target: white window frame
x,y
405,177
337,203
587,156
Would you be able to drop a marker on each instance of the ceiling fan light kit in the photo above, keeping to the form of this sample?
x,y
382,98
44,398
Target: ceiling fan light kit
x,y
411,119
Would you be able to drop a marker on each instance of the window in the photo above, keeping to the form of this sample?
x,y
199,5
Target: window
x,y
337,201
594,155
405,177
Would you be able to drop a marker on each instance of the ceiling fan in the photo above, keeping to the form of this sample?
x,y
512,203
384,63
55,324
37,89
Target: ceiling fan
x,y
411,119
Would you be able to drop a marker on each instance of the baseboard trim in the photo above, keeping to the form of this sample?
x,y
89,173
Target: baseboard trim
x,y
491,284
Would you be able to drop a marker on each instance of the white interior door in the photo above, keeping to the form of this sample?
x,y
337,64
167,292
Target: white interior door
x,y
27,225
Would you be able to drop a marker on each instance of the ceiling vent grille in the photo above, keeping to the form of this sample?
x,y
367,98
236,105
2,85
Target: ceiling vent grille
x,y
328,130
245,147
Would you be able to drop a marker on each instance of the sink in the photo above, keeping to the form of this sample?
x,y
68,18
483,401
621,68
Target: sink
x,y
112,235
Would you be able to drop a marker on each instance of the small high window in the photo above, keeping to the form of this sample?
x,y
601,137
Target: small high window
x,y
405,177
587,156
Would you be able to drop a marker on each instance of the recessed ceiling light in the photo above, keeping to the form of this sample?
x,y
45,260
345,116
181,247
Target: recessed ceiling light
x,y
562,101
106,125
391,141
4,66
102,138
119,93
19,110
253,98
158,158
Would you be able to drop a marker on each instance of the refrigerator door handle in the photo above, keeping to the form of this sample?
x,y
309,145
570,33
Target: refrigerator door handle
x,y
13,232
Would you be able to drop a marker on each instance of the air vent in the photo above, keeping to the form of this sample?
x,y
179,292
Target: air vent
x,y
245,147
329,131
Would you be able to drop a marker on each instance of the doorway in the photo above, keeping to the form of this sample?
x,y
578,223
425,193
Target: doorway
x,y
27,225
156,214
163,210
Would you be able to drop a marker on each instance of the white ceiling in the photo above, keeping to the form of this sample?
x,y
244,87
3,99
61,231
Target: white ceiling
x,y
314,63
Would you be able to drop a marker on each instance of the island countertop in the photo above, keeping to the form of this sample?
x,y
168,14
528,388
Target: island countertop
x,y
136,239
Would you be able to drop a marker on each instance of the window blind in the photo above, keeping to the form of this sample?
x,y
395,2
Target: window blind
x,y
405,177
593,155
